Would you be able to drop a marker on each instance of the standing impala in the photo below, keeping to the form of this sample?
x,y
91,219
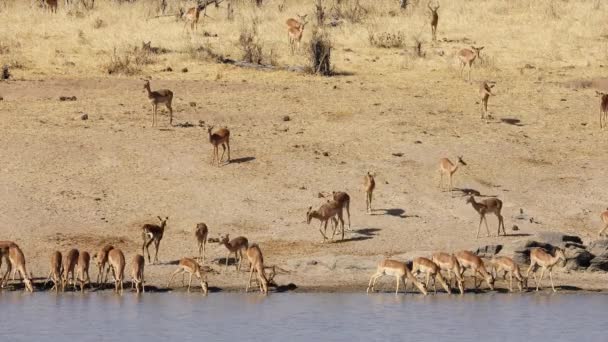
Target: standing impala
x,y
472,261
434,20
603,108
424,265
82,270
467,57
488,206
546,261
190,266
137,272
153,233
507,265
236,246
295,30
17,263
56,271
217,138
604,218
446,167
200,233
117,263
485,91
369,184
70,261
101,259
449,263
256,262
398,270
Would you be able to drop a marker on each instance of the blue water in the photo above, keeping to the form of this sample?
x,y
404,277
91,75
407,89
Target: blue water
x,y
302,317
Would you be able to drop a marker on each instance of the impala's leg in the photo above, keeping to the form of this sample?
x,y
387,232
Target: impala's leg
x,y
47,280
479,228
428,279
603,229
551,278
228,146
156,245
250,277
204,245
451,186
510,281
170,108
223,152
372,281
147,244
440,179
321,230
398,278
461,68
190,282
542,274
173,275
486,222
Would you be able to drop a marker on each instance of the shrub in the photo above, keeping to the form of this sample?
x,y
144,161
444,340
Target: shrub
x,y
250,43
320,53
128,62
387,39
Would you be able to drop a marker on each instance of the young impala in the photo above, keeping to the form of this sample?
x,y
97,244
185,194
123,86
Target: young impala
x,y
446,167
472,261
395,269
546,261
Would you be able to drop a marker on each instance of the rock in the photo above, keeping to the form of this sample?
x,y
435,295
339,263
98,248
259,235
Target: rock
x,y
578,259
67,98
598,247
557,239
599,263
192,104
286,118
312,262
326,154
515,227
84,116
185,70
167,69
488,251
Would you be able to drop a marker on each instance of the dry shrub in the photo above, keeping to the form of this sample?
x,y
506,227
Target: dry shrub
x,y
129,62
98,23
320,53
387,40
349,10
206,53
250,43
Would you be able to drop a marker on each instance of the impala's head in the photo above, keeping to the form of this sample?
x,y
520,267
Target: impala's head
x,y
560,255
471,199
433,9
461,161
163,223
224,238
210,129
146,46
146,84
28,284
302,19
309,214
601,93
477,50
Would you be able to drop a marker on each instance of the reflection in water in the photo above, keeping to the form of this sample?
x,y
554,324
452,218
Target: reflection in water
x,y
300,317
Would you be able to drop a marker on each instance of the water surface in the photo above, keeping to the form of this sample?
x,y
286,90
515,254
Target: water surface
x,y
302,317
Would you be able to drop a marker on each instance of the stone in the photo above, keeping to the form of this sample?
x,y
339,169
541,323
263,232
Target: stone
x,y
286,118
84,116
599,263
185,70
488,251
192,104
557,239
598,247
578,259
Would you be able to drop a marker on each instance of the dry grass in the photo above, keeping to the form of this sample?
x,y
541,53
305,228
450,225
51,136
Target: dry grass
x,y
81,41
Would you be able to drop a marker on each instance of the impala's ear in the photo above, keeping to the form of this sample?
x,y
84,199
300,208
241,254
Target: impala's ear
x,y
481,48
167,218
310,208
160,219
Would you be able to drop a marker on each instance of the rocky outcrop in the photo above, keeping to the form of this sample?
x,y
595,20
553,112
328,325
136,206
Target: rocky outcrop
x,y
488,251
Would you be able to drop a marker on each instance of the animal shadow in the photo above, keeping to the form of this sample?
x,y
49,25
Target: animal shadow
x,y
467,191
241,160
512,121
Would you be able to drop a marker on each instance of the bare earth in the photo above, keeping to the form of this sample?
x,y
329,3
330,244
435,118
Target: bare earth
x,y
71,183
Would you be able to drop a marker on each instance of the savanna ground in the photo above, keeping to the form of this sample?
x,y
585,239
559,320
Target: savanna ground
x,y
69,183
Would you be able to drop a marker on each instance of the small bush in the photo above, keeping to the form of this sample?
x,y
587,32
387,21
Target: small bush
x,y
250,43
349,10
387,40
206,53
128,62
98,23
320,53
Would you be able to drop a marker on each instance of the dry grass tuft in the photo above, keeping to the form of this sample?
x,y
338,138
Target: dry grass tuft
x,y
320,53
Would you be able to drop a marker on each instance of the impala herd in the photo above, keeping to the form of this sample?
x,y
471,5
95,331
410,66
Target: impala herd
x,y
72,268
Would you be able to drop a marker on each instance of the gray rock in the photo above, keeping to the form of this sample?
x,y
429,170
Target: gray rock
x,y
599,263
577,259
488,251
84,116
598,247
557,239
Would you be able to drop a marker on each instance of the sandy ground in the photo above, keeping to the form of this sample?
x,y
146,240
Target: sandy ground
x,y
69,183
